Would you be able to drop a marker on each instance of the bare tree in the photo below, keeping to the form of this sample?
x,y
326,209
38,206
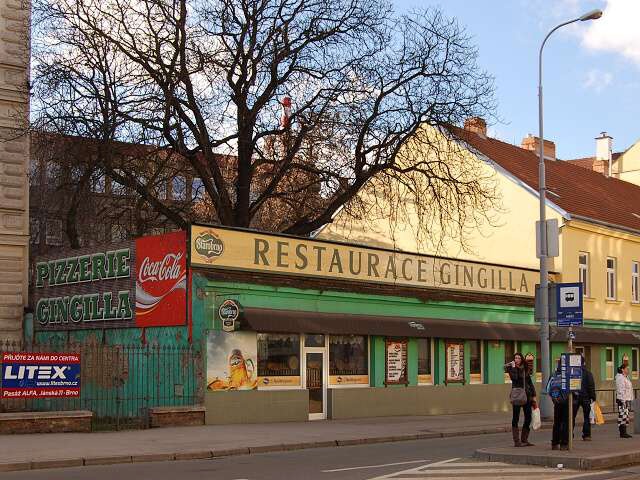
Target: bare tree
x,y
207,80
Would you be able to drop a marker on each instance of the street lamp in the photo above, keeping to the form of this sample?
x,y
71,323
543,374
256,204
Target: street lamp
x,y
545,401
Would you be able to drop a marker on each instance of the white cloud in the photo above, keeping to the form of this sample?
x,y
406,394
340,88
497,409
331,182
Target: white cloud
x,y
617,31
597,80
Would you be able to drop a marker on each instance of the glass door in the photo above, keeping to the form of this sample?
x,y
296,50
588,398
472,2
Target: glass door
x,y
315,375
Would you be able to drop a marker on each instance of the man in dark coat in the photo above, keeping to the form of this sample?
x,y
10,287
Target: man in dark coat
x,y
583,399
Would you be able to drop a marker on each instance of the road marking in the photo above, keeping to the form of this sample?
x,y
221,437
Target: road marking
x,y
373,466
454,468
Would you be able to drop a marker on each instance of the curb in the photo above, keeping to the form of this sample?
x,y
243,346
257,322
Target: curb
x,y
205,454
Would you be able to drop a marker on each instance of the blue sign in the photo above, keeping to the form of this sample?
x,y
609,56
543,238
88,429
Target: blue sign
x,y
569,304
40,375
571,372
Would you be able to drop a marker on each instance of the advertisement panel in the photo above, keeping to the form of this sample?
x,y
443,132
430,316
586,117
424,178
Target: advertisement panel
x,y
140,283
40,375
213,247
232,361
454,358
396,362
161,280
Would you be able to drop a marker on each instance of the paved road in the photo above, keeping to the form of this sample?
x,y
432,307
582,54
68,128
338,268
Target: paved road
x,y
424,459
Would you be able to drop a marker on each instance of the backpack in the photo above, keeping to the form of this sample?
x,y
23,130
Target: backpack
x,y
554,390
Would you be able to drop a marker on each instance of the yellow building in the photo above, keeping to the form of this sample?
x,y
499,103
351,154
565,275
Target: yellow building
x,y
599,218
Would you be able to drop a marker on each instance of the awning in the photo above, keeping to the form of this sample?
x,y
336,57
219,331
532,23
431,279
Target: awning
x,y
597,335
284,321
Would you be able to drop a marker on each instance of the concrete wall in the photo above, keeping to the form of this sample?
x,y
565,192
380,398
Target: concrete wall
x,y
14,166
418,400
256,406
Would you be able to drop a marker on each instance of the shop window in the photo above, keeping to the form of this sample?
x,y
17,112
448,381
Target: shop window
x,y
475,361
583,272
611,278
510,348
348,357
278,355
635,282
609,364
635,363
425,361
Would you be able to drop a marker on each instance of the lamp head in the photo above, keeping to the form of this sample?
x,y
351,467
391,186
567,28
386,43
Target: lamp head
x,y
592,15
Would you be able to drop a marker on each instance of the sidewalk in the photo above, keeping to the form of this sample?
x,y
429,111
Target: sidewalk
x,y
607,450
36,451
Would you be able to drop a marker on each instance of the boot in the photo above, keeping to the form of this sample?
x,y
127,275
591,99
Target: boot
x,y
524,439
515,433
623,431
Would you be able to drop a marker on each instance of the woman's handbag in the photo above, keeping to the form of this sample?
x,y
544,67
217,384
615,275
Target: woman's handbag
x,y
518,395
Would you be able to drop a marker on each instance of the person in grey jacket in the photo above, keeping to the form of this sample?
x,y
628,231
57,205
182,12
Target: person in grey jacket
x,y
583,399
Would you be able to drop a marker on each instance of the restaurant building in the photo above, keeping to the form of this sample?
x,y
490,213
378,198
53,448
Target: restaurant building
x,y
303,329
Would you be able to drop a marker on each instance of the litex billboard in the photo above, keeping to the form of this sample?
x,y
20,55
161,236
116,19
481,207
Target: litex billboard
x,y
40,375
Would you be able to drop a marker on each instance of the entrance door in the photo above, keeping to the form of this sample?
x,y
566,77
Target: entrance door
x,y
315,376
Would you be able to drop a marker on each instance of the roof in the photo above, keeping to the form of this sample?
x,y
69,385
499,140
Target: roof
x,y
579,191
592,164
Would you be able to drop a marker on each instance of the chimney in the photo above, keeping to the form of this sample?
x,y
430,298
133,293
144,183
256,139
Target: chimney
x,y
533,143
604,144
476,125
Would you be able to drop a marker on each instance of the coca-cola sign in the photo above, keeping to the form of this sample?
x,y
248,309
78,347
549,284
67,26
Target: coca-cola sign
x,y
161,280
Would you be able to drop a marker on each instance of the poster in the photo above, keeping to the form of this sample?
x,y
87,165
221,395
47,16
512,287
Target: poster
x,y
396,362
40,375
232,362
455,362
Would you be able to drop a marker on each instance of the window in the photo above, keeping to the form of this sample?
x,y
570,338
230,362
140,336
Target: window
x,y
635,282
583,272
425,375
510,348
54,232
608,364
197,189
118,188
179,188
611,278
278,355
34,231
118,233
585,351
475,361
348,355
635,363
97,182
314,340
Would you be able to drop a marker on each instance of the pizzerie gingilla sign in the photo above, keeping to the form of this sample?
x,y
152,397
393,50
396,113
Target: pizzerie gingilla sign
x,y
136,284
249,251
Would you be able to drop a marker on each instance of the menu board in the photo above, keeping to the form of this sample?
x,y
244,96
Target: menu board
x,y
455,362
396,362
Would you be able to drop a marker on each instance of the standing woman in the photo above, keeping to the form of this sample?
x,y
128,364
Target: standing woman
x,y
624,396
523,397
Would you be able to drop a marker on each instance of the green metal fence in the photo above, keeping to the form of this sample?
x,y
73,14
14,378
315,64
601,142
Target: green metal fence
x,y
120,383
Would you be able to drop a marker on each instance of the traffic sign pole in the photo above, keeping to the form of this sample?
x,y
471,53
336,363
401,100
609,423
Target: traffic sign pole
x,y
570,345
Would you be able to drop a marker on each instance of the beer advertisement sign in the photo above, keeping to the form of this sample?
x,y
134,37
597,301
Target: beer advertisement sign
x,y
140,283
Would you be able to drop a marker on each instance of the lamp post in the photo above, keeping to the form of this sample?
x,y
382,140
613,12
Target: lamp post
x,y
545,401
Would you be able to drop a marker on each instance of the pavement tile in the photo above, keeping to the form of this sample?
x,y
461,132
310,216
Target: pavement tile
x,y
112,460
62,463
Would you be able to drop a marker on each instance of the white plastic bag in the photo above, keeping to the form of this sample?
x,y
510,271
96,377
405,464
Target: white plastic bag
x,y
536,422
592,414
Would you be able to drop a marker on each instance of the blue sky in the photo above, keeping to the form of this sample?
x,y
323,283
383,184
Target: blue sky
x,y
592,69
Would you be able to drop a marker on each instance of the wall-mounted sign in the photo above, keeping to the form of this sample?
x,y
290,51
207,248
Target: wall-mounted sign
x,y
232,361
248,251
396,362
40,375
348,380
229,312
140,283
454,362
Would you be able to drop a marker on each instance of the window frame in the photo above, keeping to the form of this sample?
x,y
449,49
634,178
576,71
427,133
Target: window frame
x,y
584,273
300,344
609,364
635,282
611,279
477,378
353,385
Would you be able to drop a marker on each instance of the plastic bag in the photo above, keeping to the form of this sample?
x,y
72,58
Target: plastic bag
x,y
536,422
592,415
597,413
